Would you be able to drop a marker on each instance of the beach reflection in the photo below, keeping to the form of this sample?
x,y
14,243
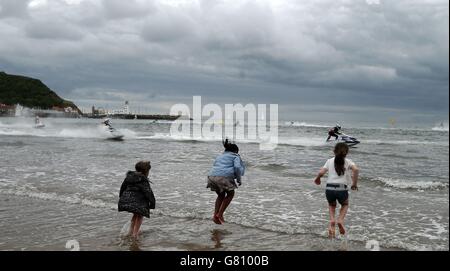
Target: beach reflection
x,y
217,236
135,245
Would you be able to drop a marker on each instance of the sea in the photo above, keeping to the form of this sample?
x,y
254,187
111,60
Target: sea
x,y
59,189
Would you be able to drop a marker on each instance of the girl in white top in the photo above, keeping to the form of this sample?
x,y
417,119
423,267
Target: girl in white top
x,y
340,172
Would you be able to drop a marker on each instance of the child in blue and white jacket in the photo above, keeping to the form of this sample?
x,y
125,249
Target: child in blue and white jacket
x,y
227,168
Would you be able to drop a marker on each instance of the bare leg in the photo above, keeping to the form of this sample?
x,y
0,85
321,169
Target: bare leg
x,y
137,225
219,201
332,227
342,214
133,222
226,201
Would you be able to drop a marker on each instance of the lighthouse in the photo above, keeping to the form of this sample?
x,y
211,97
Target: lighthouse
x,y
126,108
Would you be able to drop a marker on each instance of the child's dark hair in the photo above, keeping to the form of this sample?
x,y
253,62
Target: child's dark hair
x,y
143,167
230,146
340,152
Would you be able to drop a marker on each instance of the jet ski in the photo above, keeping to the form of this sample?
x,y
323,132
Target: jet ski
x,y
349,140
115,135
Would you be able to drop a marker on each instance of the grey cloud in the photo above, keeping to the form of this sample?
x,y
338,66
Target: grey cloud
x,y
119,9
87,14
168,26
51,29
14,8
304,52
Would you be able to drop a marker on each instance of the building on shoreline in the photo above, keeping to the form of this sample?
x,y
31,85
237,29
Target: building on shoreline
x,y
125,113
7,110
96,113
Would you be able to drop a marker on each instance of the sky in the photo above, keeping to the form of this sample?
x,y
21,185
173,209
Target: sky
x,y
320,61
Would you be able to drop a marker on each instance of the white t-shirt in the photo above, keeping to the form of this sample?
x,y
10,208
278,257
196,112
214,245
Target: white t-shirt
x,y
333,177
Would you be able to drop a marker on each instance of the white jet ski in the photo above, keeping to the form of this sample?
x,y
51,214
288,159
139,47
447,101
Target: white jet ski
x,y
114,134
350,141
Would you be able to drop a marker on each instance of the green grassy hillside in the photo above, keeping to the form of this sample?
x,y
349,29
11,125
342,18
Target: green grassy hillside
x,y
29,92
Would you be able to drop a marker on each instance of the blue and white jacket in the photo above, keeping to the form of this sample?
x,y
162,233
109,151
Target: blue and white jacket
x,y
228,164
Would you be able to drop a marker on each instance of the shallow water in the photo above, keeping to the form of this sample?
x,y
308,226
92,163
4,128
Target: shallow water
x,y
64,180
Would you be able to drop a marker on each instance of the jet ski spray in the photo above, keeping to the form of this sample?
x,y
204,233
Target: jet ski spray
x,y
37,123
115,135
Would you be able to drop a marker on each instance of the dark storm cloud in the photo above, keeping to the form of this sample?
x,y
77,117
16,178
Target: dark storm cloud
x,y
390,55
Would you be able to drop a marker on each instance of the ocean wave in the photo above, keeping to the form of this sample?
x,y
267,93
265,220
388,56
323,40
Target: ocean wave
x,y
272,167
307,142
392,155
100,133
70,199
13,144
303,124
164,122
170,137
440,129
97,132
408,184
403,142
288,141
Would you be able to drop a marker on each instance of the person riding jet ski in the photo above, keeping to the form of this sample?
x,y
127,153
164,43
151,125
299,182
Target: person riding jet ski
x,y
107,123
114,133
334,132
38,123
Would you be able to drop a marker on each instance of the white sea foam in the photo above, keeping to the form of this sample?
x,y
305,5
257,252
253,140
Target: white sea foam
x,y
295,141
408,184
25,129
70,199
304,124
403,142
440,129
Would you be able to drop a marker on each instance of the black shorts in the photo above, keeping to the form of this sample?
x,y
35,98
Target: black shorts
x,y
336,195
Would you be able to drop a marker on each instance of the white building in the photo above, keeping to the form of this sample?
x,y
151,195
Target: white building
x,y
126,108
124,111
